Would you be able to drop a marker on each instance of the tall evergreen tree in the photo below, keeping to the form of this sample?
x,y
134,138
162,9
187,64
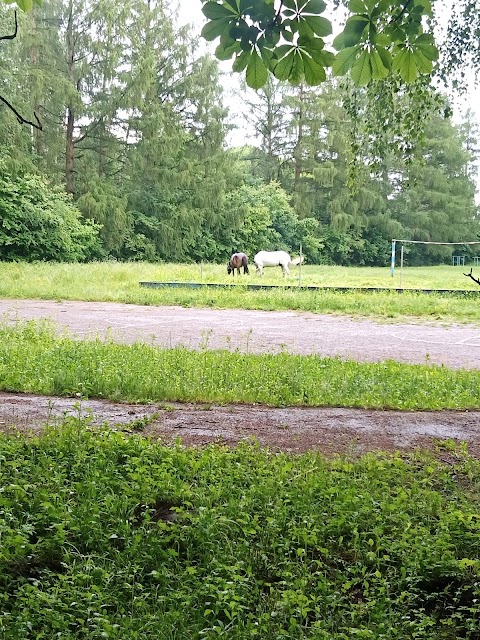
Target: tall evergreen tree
x,y
175,166
437,198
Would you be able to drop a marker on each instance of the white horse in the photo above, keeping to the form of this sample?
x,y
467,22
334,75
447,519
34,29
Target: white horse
x,y
275,259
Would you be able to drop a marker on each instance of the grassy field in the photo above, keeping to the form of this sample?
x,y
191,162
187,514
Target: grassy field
x,y
112,536
119,282
109,535
34,359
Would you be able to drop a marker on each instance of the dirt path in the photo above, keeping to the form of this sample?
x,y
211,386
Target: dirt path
x,y
455,346
331,431
344,431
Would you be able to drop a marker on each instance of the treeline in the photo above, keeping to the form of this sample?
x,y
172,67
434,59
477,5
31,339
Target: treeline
x,y
132,163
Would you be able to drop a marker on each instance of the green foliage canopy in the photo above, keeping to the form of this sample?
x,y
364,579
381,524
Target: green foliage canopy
x,y
24,5
40,223
287,39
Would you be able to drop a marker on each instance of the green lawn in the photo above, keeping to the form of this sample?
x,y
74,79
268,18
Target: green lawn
x,y
119,282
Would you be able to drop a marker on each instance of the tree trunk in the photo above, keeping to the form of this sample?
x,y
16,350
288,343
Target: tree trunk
x,y
70,143
69,152
297,154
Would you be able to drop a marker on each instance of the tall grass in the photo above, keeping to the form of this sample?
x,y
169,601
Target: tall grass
x,y
119,282
108,536
34,359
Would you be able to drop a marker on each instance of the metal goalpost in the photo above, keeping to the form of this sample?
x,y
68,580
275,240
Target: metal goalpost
x,y
403,242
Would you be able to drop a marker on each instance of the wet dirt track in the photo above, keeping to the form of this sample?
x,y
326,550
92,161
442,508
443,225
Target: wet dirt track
x,y
455,346
331,431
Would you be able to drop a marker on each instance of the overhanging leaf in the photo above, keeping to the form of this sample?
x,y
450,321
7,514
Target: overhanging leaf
x,y
324,58
215,28
380,8
257,73
314,6
344,60
296,74
283,68
25,5
382,40
305,31
424,65
425,38
319,25
223,52
357,6
361,72
314,73
405,64
353,31
316,44
339,42
379,70
428,50
215,11
386,57
241,61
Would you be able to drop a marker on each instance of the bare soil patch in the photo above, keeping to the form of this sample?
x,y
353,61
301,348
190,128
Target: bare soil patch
x,y
297,430
331,431
455,346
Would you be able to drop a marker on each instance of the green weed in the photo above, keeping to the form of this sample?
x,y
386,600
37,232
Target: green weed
x,y
34,359
105,535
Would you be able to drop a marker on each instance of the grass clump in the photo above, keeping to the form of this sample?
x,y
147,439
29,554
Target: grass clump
x,y
109,536
34,359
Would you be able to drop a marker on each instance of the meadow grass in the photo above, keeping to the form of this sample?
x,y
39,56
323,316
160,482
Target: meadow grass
x,y
112,536
119,282
34,359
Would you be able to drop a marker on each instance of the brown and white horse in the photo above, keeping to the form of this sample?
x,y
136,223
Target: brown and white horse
x,y
237,261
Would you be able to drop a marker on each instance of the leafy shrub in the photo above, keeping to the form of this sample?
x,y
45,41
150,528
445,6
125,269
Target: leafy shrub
x,y
106,535
39,222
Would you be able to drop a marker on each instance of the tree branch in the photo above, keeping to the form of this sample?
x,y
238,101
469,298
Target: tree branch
x,y
405,7
278,13
20,118
469,275
14,34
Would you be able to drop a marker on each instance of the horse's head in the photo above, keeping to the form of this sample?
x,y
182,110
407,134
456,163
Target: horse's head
x,y
229,267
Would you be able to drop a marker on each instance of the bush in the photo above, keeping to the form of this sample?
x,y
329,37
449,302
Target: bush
x,y
39,222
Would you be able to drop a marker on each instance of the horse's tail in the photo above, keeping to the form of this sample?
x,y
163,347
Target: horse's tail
x,y
245,264
296,261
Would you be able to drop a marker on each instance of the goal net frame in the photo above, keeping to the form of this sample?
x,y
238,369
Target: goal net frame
x,y
404,242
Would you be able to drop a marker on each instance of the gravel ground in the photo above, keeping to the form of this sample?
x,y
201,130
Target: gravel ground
x,y
351,431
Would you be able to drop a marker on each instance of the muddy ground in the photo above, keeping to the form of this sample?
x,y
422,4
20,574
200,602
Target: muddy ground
x,y
351,431
330,431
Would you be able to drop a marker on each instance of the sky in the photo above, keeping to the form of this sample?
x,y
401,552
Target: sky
x,y
190,11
